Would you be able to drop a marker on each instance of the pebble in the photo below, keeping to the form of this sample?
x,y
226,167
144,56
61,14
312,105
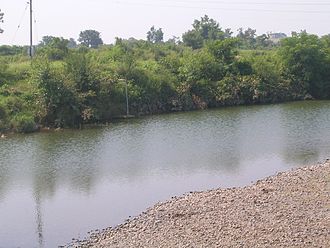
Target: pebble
x,y
286,210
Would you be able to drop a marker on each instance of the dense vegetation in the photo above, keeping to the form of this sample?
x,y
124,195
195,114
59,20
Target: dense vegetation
x,y
67,85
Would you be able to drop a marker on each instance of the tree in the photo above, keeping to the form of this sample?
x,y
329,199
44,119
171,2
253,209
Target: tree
x,y
56,48
203,30
174,40
72,43
228,33
192,39
46,40
263,41
90,38
201,65
59,48
155,35
246,34
224,51
1,20
59,99
307,62
11,50
49,40
247,37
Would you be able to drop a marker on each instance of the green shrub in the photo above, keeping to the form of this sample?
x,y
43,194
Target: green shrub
x,y
13,104
3,116
3,111
24,123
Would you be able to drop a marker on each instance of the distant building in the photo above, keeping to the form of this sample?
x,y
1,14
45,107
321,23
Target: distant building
x,y
276,37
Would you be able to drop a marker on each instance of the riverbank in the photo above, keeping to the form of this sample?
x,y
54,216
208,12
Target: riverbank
x,y
291,209
35,128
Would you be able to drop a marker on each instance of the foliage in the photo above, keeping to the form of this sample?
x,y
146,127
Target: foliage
x,y
6,50
235,90
247,37
250,40
55,48
3,72
90,38
13,114
224,50
72,43
83,76
203,30
306,60
3,116
271,85
68,86
1,20
155,35
24,123
46,40
59,99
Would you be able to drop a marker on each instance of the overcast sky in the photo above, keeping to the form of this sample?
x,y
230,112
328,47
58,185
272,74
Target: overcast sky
x,y
133,18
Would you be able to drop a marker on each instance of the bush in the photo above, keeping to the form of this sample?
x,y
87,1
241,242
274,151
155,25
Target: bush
x,y
24,123
3,116
3,111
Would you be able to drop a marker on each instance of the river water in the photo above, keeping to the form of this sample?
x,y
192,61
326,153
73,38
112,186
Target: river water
x,y
59,185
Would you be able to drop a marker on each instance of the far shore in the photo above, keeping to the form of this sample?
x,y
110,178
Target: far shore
x,y
291,209
120,118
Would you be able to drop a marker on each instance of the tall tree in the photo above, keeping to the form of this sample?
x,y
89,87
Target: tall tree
x,y
155,35
90,38
1,20
203,30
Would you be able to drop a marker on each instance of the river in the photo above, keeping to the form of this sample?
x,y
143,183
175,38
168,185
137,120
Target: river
x,y
59,185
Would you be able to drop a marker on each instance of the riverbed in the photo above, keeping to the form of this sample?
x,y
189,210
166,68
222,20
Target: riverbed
x,y
59,185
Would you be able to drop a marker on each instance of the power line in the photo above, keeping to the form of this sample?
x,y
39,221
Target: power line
x,y
36,38
20,22
257,3
221,8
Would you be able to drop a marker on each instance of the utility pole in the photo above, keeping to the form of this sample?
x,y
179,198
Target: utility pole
x,y
31,32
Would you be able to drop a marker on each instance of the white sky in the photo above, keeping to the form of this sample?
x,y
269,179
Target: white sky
x,y
133,18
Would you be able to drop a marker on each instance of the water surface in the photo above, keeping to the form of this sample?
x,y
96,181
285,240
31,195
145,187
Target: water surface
x,y
60,185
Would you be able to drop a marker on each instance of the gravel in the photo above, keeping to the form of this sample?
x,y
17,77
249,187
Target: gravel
x,y
291,209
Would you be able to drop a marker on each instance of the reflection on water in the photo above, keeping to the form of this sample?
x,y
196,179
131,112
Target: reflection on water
x,y
55,186
307,131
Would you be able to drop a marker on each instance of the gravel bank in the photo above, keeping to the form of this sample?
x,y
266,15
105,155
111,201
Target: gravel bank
x,y
291,209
